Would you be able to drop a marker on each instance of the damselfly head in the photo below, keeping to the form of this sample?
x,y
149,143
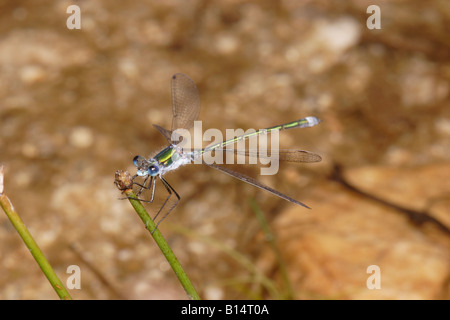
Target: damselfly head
x,y
142,165
153,170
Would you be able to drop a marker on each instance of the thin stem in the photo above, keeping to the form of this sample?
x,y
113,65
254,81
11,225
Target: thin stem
x,y
124,183
45,266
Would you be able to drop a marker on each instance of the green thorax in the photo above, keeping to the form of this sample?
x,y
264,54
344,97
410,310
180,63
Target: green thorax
x,y
166,156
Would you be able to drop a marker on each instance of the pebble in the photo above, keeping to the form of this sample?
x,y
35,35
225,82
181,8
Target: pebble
x,y
81,137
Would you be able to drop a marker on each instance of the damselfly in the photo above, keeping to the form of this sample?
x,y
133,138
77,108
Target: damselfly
x,y
186,108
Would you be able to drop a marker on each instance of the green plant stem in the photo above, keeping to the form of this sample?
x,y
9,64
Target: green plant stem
x,y
163,245
33,247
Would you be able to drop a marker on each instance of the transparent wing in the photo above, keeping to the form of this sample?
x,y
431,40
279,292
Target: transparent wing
x,y
255,183
185,102
166,133
282,154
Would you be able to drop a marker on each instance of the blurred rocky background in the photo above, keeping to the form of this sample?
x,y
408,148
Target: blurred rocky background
x,y
77,105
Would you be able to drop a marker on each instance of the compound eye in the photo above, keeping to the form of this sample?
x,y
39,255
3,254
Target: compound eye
x,y
153,170
137,160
